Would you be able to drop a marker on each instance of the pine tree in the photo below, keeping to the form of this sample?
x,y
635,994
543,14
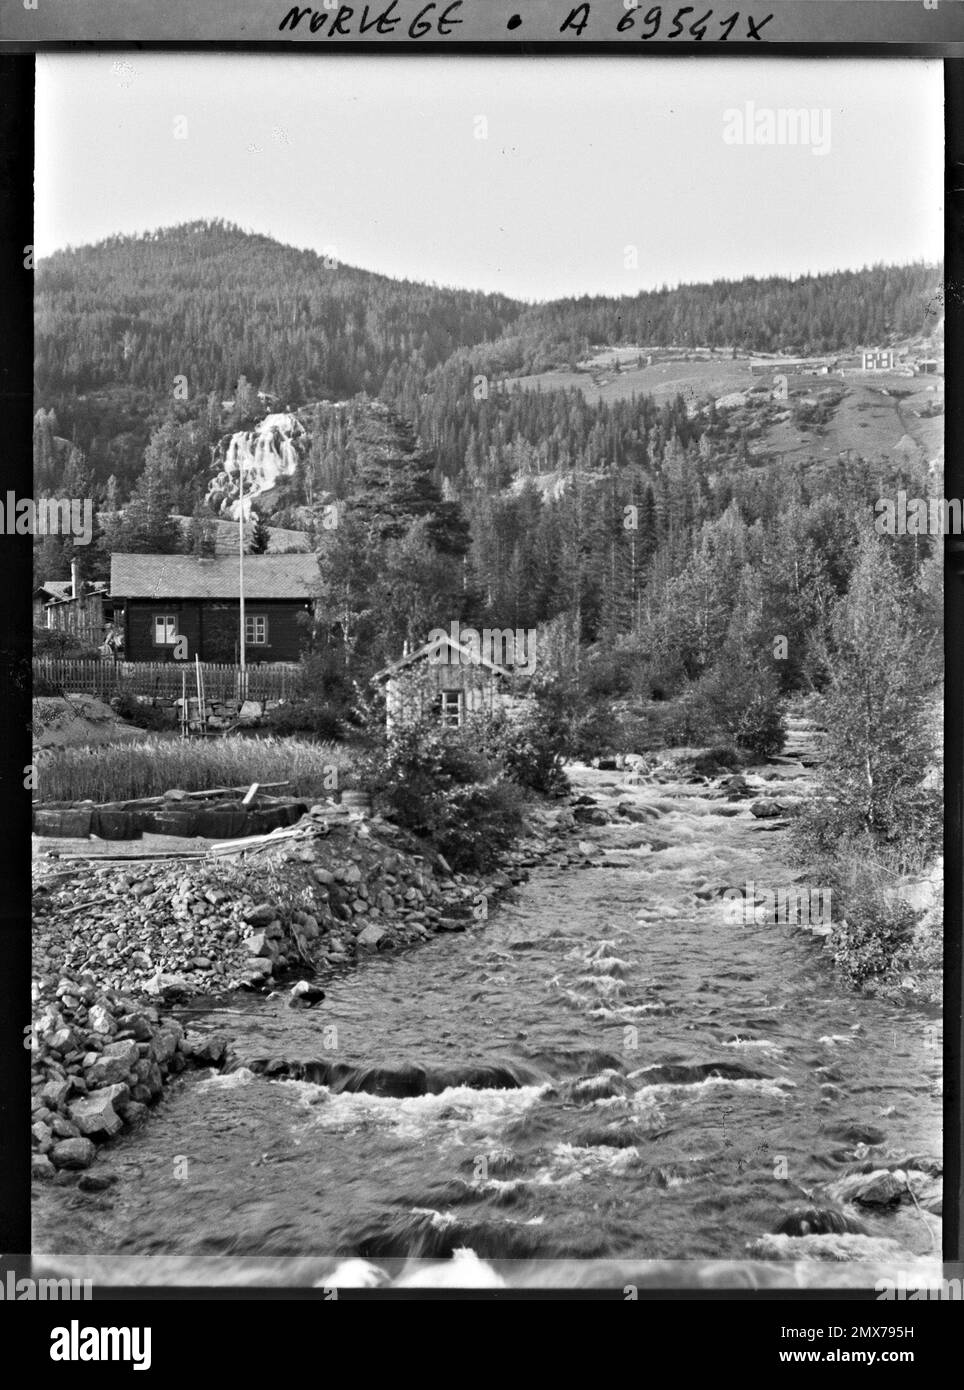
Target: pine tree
x,y
261,535
146,525
202,533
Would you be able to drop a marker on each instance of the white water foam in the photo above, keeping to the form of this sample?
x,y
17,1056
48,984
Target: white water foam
x,y
621,1012
230,1081
571,1163
763,1045
602,984
608,965
777,1088
464,1271
448,1115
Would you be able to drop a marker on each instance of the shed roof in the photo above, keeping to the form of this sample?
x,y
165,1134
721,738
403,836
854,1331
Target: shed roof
x,y
431,648
56,588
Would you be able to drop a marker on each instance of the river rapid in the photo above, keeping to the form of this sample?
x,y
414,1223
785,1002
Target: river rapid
x,y
607,1082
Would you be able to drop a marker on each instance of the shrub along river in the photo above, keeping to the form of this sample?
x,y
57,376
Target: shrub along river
x,y
609,1072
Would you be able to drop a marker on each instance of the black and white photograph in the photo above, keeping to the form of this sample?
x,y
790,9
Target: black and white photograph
x,y
488,542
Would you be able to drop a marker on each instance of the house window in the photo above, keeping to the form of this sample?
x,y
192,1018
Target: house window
x,y
452,708
255,631
165,629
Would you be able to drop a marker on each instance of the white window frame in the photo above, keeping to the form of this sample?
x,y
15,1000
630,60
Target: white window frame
x,y
251,621
447,711
170,629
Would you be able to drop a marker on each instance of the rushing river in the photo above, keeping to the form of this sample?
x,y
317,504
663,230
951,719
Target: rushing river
x,y
606,1070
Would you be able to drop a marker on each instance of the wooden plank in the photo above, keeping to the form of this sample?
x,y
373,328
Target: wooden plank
x,y
274,837
158,857
217,791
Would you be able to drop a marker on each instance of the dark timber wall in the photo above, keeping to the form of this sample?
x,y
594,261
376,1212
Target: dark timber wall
x,y
211,629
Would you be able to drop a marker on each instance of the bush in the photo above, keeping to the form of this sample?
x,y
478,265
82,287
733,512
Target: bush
x,y
607,676
306,716
689,721
481,820
737,704
435,783
139,713
715,762
640,727
875,927
595,733
54,641
527,742
320,700
877,938
759,725
868,943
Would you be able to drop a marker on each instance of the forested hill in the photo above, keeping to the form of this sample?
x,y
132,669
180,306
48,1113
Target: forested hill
x,y
212,302
152,333
813,314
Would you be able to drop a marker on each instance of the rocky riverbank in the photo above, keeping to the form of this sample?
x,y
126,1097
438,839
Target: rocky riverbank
x,y
114,942
610,1042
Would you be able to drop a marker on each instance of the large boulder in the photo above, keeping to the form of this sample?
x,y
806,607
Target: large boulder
x,y
164,1044
95,1113
100,1020
260,944
375,938
306,991
261,915
73,1153
209,1050
41,1167
877,1189
55,1092
109,1071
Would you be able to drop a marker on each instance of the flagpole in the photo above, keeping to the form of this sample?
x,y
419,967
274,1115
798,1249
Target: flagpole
x,y
242,692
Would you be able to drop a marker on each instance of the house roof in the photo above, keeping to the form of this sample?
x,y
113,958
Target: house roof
x,y
56,588
185,576
430,648
59,600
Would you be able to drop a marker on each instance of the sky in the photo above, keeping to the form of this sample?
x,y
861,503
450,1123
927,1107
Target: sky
x,y
536,177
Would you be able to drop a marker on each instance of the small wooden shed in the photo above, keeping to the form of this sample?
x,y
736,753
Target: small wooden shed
x,y
446,678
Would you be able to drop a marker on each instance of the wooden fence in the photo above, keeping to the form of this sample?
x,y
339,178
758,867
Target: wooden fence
x,y
162,680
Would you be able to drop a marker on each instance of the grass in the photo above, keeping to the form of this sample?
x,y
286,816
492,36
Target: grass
x,y
718,377
152,766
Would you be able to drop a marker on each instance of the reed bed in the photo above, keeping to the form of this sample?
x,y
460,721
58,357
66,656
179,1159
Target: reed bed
x,y
152,766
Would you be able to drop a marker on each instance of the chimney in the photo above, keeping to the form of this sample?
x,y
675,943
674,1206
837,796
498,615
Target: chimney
x,y
75,579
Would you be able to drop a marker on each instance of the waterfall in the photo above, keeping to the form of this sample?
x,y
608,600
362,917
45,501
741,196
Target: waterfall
x,y
266,454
